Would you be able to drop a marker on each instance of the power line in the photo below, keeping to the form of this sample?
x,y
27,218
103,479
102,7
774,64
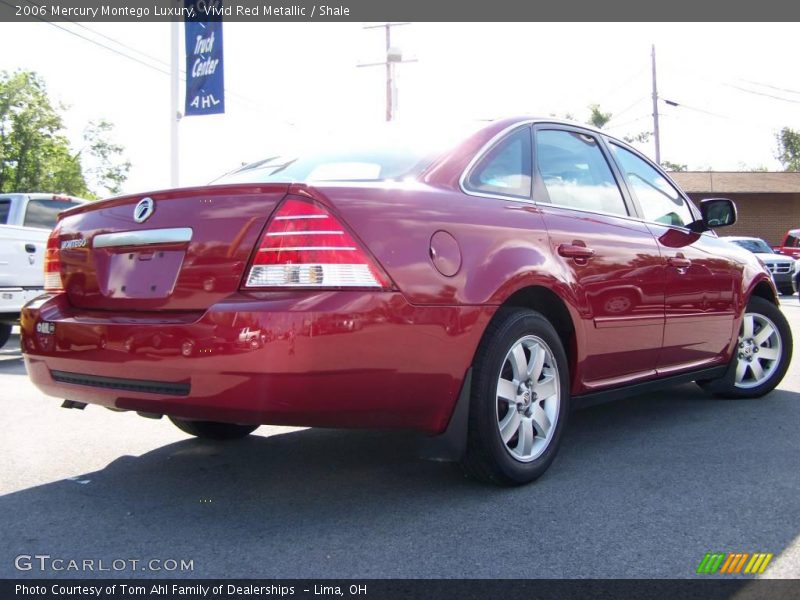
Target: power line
x,y
731,85
745,122
96,43
636,120
694,108
109,38
614,115
254,103
772,87
126,46
706,79
618,86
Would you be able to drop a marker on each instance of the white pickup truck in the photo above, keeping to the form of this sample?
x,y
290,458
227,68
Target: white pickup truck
x,y
25,223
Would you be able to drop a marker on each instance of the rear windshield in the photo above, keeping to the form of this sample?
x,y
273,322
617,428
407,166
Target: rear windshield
x,y
5,207
754,246
388,153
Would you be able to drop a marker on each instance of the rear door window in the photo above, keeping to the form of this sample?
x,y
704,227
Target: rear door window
x,y
506,169
575,172
42,213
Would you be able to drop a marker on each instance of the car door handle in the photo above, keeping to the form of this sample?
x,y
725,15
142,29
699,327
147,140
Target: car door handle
x,y
679,262
575,251
30,248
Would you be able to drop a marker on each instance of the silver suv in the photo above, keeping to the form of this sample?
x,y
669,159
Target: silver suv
x,y
784,269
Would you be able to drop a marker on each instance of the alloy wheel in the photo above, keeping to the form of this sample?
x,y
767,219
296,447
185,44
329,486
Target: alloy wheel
x,y
528,398
759,351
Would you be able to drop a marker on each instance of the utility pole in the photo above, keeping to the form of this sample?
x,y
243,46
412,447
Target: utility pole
x,y
393,57
656,133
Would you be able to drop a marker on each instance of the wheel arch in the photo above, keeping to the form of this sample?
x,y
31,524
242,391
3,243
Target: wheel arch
x,y
555,309
763,289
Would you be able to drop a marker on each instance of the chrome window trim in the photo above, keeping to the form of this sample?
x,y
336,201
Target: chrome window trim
x,y
597,132
144,237
591,212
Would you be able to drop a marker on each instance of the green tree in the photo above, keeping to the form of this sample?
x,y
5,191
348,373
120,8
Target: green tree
x,y
105,166
641,137
752,169
671,166
789,149
31,148
597,118
35,154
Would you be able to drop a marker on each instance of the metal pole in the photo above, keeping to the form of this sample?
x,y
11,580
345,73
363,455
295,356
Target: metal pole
x,y
389,100
391,91
174,110
656,132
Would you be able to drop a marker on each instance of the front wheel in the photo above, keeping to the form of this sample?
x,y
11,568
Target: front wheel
x,y
213,430
761,356
519,399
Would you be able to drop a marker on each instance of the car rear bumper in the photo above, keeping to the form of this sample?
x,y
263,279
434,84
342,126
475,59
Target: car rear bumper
x,y
339,359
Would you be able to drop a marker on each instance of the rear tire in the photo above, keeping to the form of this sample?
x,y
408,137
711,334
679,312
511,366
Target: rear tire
x,y
761,356
519,399
5,333
213,430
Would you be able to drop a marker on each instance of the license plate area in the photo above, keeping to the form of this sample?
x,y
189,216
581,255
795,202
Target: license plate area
x,y
141,274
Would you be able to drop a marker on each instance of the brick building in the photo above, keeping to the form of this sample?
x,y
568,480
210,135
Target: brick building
x,y
768,203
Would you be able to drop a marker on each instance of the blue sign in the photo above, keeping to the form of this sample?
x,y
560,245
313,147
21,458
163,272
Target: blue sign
x,y
205,79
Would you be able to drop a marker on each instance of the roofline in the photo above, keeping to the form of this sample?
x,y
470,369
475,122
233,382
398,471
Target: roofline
x,y
738,182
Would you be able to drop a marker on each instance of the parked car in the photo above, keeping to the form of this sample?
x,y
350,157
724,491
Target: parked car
x,y
25,222
454,290
784,269
790,245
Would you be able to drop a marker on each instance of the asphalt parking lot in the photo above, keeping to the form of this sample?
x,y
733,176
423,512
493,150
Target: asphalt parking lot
x,y
641,488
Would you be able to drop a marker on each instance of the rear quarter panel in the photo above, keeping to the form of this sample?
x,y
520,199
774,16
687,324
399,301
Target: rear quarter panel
x,y
503,245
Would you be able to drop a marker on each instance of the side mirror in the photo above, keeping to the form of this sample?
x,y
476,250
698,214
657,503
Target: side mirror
x,y
716,212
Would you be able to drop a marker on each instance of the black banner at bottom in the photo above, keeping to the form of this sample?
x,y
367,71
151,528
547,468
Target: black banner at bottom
x,y
391,589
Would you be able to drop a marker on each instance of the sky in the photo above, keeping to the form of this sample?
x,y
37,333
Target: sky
x,y
736,85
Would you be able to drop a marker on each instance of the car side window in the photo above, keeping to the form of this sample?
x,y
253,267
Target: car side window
x,y
660,201
575,173
791,241
5,208
506,169
42,213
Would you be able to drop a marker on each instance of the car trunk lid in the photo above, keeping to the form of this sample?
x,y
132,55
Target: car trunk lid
x,y
182,249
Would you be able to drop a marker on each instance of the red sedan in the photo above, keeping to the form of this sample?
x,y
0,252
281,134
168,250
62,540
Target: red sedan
x,y
475,291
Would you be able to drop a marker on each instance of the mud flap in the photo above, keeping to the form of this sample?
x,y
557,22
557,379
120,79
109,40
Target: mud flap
x,y
451,444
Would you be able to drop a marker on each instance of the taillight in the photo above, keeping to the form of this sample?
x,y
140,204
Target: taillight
x,y
52,263
306,246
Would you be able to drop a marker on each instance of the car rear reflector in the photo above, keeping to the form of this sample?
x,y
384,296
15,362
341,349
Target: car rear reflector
x,y
52,263
306,246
